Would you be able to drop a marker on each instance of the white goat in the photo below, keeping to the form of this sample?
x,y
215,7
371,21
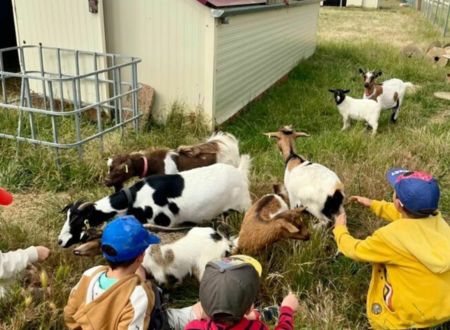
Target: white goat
x,y
389,93
170,263
358,109
309,185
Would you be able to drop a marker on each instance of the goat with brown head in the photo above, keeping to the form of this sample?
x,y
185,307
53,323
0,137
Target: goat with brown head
x,y
285,138
308,184
389,93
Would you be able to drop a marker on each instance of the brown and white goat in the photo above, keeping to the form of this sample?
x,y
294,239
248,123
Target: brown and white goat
x,y
269,220
219,148
389,94
309,185
93,245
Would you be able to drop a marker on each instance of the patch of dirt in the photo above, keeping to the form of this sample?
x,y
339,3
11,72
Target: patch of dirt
x,y
441,117
27,209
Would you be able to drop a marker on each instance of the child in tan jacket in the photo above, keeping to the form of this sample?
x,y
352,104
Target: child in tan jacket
x,y
115,296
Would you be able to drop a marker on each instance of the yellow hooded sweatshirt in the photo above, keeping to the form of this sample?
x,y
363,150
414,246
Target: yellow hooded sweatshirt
x,y
410,285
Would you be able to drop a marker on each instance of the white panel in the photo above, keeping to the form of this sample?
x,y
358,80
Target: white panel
x,y
255,50
63,24
174,38
59,23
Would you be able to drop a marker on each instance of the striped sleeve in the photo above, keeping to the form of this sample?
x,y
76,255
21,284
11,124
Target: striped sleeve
x,y
286,319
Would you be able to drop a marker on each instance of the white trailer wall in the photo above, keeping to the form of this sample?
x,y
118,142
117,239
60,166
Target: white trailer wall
x,y
175,39
255,50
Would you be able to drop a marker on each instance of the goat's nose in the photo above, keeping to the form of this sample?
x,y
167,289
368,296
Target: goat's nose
x,y
366,85
59,241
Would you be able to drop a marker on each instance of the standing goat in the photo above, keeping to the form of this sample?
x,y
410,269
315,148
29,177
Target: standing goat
x,y
195,196
310,185
389,93
219,148
270,220
358,109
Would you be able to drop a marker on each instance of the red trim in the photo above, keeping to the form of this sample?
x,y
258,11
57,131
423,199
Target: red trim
x,y
231,3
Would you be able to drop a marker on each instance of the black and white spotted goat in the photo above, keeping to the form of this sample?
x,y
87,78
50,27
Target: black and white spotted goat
x,y
195,196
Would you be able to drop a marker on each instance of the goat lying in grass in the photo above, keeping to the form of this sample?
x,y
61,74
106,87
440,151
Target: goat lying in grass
x,y
180,254
195,197
309,185
389,93
270,220
219,148
170,263
358,109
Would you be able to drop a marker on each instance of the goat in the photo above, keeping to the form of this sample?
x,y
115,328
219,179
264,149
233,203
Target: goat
x,y
195,196
308,184
359,109
170,263
93,245
270,220
219,148
389,93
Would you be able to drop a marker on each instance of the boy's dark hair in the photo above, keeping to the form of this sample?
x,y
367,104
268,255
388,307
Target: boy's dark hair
x,y
418,215
109,250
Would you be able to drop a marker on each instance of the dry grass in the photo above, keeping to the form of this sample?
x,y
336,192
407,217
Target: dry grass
x,y
332,289
395,26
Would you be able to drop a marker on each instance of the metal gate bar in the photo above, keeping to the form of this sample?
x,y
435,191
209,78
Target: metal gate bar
x,y
81,81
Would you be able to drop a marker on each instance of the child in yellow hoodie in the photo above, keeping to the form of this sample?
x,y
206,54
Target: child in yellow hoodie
x,y
410,256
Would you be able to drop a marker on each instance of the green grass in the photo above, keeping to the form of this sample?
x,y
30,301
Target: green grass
x,y
332,290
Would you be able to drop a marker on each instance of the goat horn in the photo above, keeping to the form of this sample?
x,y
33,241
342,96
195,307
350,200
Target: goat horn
x,y
84,205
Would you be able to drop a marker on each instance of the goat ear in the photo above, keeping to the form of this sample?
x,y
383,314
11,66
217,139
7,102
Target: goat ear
x,y
346,91
378,73
332,91
66,208
362,71
273,135
290,227
298,134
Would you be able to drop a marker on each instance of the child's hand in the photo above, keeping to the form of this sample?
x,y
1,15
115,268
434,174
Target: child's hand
x,y
291,301
361,200
42,252
341,219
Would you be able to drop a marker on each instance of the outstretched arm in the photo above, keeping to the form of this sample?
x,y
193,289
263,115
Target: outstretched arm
x,y
382,209
15,261
372,249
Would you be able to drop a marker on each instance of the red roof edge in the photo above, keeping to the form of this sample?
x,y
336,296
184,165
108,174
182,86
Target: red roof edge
x,y
231,3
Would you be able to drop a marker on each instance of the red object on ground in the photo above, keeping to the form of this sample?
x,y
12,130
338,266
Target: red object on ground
x,y
5,197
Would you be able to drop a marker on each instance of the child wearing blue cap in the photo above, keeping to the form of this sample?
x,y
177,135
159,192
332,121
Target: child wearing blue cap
x,y
115,296
410,256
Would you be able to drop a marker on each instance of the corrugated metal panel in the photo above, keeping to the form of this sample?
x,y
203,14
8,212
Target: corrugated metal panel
x,y
254,50
64,24
175,40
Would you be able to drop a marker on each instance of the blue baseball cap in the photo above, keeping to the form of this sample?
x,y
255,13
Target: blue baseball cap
x,y
417,191
127,238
